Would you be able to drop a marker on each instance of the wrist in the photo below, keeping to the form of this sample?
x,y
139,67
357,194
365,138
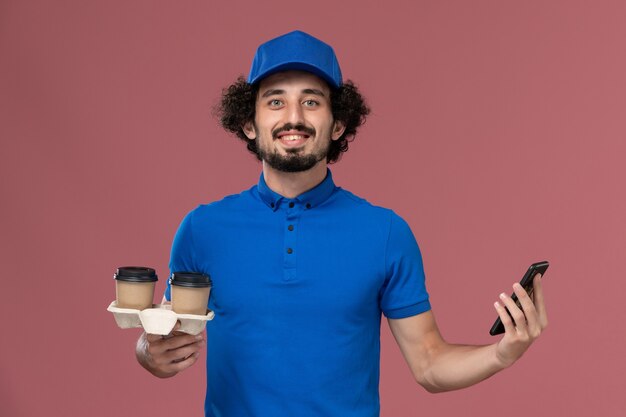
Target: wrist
x,y
501,360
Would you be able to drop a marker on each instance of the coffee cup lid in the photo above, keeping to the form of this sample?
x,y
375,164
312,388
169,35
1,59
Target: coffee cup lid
x,y
135,274
190,279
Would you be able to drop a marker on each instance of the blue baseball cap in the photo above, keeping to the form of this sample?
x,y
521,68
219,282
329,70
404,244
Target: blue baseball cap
x,y
296,51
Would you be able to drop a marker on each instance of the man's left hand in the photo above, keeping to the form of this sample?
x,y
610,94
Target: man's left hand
x,y
527,324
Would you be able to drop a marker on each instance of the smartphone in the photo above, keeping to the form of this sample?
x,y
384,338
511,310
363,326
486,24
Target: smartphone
x,y
527,283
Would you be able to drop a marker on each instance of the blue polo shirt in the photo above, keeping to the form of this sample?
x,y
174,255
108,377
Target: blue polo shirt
x,y
298,289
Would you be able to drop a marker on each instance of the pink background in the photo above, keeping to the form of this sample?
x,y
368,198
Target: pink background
x,y
498,132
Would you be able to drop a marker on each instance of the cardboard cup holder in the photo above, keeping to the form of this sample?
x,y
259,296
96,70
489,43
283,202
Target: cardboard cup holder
x,y
160,319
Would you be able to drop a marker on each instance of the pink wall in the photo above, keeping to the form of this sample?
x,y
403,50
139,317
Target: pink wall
x,y
498,131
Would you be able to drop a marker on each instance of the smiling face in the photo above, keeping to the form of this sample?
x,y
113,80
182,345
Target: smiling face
x,y
293,123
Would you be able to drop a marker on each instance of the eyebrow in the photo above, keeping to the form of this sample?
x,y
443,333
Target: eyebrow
x,y
274,92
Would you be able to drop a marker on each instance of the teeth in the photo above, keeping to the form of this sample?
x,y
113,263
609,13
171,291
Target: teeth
x,y
292,137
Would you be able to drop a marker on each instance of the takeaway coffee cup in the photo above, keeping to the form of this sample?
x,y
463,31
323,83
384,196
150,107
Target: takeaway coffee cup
x,y
134,287
190,292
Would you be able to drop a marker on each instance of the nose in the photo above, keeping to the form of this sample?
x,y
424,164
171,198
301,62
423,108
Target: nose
x,y
295,114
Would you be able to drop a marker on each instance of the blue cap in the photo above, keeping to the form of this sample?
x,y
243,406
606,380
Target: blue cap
x,y
296,51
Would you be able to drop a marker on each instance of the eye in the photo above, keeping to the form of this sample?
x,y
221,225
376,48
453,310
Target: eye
x,y
275,102
310,103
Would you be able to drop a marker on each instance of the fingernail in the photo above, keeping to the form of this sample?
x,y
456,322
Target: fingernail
x,y
503,296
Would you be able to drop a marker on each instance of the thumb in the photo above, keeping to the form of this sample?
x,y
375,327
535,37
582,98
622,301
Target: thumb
x,y
176,328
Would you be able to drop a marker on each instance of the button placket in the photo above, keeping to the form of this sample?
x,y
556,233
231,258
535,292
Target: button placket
x,y
290,247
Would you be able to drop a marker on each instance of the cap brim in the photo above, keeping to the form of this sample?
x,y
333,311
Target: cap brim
x,y
295,66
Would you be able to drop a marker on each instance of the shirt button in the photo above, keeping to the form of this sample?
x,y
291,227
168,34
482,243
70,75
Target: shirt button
x,y
272,205
290,227
308,205
291,205
289,250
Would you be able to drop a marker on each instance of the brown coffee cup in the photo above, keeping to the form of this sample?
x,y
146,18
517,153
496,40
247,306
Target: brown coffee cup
x,y
190,292
134,287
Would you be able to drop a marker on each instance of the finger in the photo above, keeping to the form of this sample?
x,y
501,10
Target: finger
x,y
504,318
164,359
528,308
179,340
176,328
172,342
180,354
539,301
518,315
185,363
153,337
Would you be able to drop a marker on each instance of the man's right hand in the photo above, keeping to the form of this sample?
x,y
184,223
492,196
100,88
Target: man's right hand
x,y
165,356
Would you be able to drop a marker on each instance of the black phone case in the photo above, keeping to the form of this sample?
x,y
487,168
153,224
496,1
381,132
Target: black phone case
x,y
527,283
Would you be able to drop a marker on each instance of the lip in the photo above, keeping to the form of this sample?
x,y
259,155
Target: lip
x,y
296,143
293,143
293,132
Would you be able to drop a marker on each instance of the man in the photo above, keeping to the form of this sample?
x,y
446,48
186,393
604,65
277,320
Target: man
x,y
302,269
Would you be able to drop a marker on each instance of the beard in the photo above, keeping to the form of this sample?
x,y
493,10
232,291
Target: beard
x,y
294,161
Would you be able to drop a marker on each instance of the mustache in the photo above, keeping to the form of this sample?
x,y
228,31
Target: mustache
x,y
299,127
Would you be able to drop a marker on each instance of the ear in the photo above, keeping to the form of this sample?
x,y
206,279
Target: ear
x,y
338,128
249,130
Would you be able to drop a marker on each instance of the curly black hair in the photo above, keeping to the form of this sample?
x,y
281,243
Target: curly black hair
x,y
237,107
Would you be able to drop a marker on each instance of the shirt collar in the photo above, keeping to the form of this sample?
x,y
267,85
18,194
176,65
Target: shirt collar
x,y
311,198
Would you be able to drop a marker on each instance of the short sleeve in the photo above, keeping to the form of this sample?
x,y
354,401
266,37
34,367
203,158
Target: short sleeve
x,y
403,293
182,254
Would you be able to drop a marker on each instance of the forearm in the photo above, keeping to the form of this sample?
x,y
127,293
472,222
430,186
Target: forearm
x,y
439,366
459,366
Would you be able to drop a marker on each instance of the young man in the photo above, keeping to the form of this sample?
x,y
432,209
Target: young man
x,y
302,269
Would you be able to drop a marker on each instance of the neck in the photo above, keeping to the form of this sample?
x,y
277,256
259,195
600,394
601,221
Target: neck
x,y
292,184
